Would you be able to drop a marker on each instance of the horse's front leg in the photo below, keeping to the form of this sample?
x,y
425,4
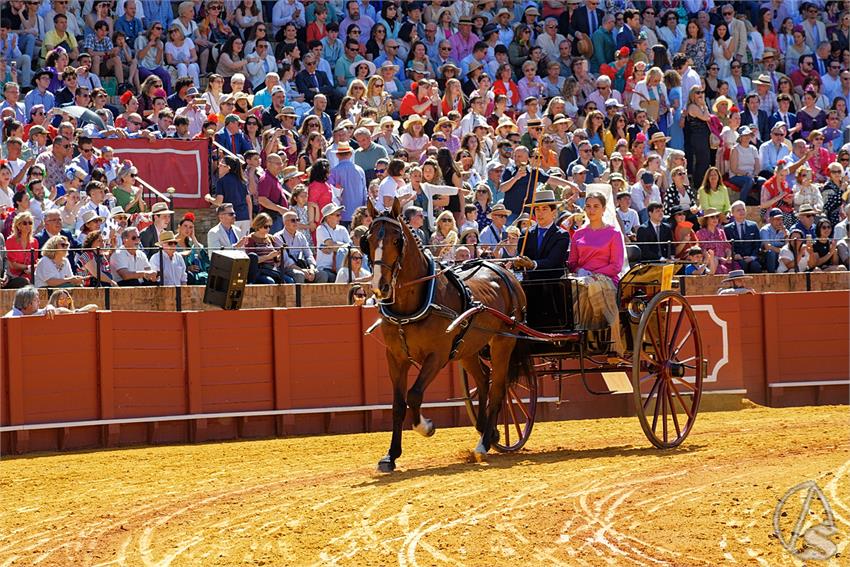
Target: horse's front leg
x,y
398,374
430,367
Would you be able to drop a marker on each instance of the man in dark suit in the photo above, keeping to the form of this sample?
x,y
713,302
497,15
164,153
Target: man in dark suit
x,y
161,221
569,153
745,239
231,136
752,115
654,236
587,19
545,253
310,81
784,114
53,227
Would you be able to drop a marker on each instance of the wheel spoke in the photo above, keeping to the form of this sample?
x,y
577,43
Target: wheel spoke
x,y
684,383
663,396
655,343
673,414
649,396
666,323
691,366
677,327
657,398
682,402
648,376
520,403
681,344
507,426
516,422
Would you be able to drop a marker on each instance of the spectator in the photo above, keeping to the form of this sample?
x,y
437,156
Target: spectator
x,y
129,265
736,279
713,238
745,238
168,262
27,303
232,188
773,236
226,234
351,178
654,236
352,268
298,262
332,238
797,255
21,251
162,219
54,268
150,52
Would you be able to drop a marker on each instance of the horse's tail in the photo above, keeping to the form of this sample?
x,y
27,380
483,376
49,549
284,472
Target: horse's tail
x,y
520,362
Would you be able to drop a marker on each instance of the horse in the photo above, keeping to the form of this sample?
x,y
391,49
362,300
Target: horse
x,y
418,300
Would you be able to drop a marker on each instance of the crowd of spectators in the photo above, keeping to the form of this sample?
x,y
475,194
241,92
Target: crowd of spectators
x,y
721,127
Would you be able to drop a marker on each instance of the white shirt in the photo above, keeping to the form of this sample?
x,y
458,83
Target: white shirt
x,y
342,275
46,269
640,198
388,188
325,232
122,259
802,260
174,269
690,79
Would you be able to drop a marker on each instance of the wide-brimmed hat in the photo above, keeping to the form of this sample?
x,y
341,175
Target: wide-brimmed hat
x,y
73,171
657,137
413,119
763,79
678,210
161,209
118,211
470,230
561,119
736,275
353,67
708,213
721,100
506,122
806,209
389,65
291,172
343,124
448,65
343,148
617,176
389,120
769,52
40,73
287,111
745,131
442,122
89,216
543,197
474,65
499,208
331,208
165,236
419,68
524,217
127,168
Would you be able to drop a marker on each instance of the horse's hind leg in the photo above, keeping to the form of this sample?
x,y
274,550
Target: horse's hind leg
x,y
430,367
500,356
473,366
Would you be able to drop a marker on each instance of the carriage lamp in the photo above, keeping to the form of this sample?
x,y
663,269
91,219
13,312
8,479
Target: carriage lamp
x,y
636,307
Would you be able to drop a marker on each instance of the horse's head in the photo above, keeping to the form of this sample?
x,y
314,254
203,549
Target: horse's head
x,y
384,246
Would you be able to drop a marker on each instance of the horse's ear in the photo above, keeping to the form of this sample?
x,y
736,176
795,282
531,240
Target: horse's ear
x,y
395,211
373,212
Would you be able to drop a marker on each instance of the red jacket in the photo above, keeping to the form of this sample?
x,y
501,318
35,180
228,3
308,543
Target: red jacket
x,y
499,87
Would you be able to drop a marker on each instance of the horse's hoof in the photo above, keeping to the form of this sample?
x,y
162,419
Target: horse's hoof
x,y
386,465
480,453
425,427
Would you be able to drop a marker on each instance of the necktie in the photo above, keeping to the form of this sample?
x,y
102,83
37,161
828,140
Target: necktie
x,y
740,231
233,142
773,80
658,233
591,20
541,234
315,81
816,33
266,65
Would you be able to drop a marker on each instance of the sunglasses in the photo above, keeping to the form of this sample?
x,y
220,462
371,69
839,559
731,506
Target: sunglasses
x,y
134,238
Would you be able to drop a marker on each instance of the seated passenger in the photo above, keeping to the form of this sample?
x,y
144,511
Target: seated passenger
x,y
597,253
545,253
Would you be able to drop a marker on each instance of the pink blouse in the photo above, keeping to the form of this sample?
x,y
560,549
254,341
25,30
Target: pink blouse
x,y
598,251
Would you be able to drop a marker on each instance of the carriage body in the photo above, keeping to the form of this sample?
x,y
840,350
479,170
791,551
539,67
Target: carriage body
x,y
662,367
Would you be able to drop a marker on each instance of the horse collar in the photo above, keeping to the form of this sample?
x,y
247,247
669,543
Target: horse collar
x,y
420,313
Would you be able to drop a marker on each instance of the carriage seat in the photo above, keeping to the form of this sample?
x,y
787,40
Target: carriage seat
x,y
633,253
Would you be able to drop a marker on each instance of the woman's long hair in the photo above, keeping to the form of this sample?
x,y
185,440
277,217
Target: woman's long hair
x,y
235,167
706,184
448,166
320,171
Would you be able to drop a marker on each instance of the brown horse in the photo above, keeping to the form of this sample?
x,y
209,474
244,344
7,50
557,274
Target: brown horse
x,y
419,300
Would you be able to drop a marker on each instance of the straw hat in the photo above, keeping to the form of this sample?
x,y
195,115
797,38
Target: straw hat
x,y
353,67
161,209
708,213
166,236
413,119
389,120
343,148
291,172
442,122
442,70
331,208
506,122
90,216
118,211
500,209
657,137
763,79
468,231
721,100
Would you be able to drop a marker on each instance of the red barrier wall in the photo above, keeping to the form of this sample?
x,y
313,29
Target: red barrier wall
x,y
113,365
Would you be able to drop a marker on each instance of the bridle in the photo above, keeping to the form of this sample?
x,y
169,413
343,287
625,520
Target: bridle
x,y
394,267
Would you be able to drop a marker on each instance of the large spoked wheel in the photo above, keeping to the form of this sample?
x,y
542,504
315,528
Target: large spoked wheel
x,y
516,417
667,370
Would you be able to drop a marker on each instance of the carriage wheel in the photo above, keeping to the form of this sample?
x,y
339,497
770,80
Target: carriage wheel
x,y
667,370
516,418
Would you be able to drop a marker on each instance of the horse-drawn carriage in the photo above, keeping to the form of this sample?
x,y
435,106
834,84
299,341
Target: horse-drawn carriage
x,y
508,336
664,355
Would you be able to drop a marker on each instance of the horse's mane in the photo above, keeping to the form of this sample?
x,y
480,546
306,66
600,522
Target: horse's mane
x,y
416,239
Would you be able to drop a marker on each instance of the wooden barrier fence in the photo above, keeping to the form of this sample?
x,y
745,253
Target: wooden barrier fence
x,y
117,378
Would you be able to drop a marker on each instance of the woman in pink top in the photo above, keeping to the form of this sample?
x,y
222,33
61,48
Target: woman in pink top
x,y
596,248
319,191
596,258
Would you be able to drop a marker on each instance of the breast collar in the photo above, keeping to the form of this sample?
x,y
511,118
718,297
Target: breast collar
x,y
423,310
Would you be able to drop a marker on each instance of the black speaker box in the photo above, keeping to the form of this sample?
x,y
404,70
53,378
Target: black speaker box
x,y
228,275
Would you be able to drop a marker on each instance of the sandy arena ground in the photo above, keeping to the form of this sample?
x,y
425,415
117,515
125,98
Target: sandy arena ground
x,y
583,493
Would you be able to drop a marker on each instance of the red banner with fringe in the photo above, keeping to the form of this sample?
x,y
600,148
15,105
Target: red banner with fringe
x,y
182,164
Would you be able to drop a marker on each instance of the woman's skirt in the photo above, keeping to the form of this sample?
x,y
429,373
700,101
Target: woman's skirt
x,y
595,307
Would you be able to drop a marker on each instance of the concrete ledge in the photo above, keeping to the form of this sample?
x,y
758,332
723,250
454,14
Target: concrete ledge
x,y
765,283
